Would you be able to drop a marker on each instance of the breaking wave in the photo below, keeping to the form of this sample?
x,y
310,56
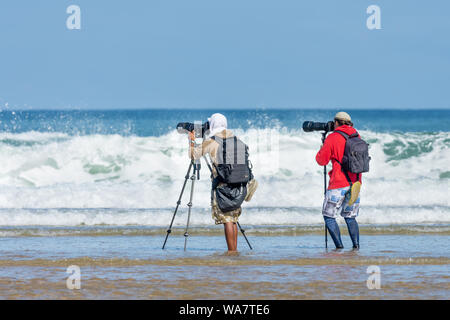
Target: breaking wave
x,y
46,178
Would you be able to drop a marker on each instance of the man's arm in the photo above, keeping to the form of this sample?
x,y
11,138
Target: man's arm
x,y
196,152
324,154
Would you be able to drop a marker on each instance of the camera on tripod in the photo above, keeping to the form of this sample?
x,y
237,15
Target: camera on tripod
x,y
309,126
199,128
325,127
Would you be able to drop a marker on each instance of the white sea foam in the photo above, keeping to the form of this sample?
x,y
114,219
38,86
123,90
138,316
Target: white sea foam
x,y
408,181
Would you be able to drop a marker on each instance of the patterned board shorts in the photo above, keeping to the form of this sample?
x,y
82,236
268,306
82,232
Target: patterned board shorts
x,y
336,202
224,217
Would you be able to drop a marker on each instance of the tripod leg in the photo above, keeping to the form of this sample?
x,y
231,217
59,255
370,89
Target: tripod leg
x,y
186,234
325,190
186,178
243,233
208,164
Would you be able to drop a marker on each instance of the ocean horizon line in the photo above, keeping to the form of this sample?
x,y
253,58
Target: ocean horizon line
x,y
219,109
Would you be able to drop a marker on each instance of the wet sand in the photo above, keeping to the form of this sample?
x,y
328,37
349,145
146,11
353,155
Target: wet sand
x,y
122,266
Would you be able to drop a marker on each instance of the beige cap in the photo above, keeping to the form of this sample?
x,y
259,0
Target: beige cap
x,y
343,116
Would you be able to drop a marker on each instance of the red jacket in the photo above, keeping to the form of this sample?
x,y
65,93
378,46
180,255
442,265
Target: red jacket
x,y
333,149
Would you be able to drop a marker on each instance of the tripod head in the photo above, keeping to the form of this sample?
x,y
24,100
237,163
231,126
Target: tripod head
x,y
194,136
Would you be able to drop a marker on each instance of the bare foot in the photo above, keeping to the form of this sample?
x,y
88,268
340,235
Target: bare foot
x,y
232,253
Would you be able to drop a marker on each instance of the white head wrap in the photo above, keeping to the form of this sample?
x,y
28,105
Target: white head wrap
x,y
217,123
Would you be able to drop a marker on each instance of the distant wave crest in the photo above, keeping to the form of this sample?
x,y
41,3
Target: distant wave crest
x,y
56,170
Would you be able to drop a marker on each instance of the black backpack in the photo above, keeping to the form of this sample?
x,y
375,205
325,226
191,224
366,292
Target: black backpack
x,y
233,164
356,155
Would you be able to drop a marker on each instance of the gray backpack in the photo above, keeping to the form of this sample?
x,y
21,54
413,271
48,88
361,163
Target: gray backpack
x,y
356,155
233,164
234,170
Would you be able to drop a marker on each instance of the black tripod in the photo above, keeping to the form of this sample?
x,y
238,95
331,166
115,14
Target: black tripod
x,y
195,176
324,135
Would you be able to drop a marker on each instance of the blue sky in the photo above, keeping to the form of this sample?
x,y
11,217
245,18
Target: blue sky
x,y
224,54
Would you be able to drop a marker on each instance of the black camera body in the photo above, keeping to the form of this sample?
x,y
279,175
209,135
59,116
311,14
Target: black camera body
x,y
309,126
200,129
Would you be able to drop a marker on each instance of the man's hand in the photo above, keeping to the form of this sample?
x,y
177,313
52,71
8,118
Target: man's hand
x,y
192,136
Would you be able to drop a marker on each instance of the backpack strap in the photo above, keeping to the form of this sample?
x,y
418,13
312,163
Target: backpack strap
x,y
348,178
224,148
224,151
346,136
235,150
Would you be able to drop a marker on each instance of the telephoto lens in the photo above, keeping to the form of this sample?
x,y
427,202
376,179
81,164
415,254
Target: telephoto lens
x,y
309,126
185,127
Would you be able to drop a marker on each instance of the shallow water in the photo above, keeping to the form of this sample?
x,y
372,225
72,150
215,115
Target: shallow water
x,y
97,189
280,267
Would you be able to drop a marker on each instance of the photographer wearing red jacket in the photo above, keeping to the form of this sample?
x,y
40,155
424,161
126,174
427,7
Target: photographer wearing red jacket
x,y
338,193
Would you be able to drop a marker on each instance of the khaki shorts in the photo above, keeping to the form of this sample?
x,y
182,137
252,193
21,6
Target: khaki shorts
x,y
224,217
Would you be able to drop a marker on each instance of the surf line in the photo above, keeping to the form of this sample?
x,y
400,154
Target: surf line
x,y
196,310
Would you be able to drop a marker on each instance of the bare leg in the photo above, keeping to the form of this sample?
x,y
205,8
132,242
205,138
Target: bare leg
x,y
230,235
235,231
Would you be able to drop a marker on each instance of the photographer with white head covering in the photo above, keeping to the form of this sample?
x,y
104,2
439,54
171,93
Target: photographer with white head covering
x,y
217,147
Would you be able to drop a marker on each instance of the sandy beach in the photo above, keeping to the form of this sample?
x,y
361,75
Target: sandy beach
x,y
120,266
